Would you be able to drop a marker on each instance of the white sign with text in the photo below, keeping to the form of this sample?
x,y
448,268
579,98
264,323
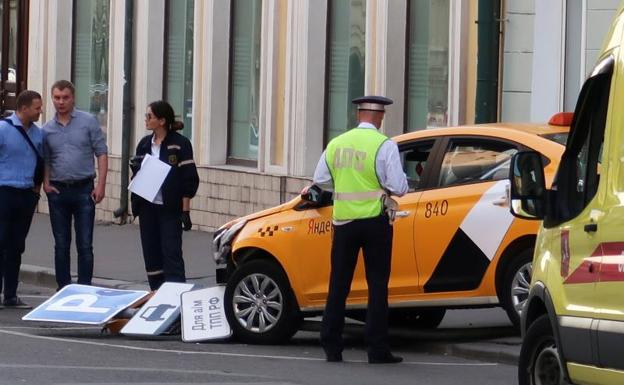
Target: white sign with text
x,y
203,315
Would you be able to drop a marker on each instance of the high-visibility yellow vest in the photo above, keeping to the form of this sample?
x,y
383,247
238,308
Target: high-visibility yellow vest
x,y
351,159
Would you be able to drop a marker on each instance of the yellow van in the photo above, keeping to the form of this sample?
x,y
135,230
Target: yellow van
x,y
573,320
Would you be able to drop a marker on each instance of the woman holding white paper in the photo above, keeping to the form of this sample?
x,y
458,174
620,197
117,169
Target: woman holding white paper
x,y
165,215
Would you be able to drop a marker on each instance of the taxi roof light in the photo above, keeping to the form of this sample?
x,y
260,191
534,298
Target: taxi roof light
x,y
561,119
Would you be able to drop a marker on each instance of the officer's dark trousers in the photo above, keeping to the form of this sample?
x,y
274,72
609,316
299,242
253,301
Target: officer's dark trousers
x,y
161,239
17,207
374,237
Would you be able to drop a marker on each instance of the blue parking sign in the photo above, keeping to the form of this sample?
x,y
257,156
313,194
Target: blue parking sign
x,y
83,304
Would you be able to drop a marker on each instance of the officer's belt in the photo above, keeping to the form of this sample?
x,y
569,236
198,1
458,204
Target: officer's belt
x,y
358,196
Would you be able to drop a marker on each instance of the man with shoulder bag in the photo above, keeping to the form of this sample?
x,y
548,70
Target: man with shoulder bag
x,y
21,174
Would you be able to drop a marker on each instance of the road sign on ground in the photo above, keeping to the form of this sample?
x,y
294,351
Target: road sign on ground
x,y
203,315
83,304
159,313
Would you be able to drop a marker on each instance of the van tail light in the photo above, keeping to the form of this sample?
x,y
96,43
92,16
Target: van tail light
x,y
561,119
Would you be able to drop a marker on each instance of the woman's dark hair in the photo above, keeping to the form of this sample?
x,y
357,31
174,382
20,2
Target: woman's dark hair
x,y
163,110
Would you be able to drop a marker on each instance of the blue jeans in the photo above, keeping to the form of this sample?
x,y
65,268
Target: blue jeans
x,y
17,207
72,202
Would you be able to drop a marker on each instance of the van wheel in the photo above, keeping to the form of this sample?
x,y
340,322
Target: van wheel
x,y
516,282
540,363
420,319
260,305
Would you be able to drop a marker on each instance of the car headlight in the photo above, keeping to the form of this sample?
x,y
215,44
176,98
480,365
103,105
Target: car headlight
x,y
223,241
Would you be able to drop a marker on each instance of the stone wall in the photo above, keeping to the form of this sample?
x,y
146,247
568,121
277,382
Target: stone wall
x,y
224,194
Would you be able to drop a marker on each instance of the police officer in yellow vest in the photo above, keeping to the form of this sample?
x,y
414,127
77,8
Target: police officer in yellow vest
x,y
364,167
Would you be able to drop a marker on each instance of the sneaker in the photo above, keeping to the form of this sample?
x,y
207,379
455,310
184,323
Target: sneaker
x,y
15,303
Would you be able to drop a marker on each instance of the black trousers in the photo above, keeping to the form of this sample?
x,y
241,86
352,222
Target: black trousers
x,y
374,237
161,239
17,207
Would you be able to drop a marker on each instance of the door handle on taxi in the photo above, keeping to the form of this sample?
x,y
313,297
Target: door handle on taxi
x,y
590,227
501,202
402,214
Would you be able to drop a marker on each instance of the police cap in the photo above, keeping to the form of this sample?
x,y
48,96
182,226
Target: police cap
x,y
372,103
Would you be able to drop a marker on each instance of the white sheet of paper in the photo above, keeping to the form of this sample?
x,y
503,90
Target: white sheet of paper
x,y
150,177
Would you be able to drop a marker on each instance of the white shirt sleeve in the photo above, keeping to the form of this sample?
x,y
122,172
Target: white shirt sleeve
x,y
322,176
390,170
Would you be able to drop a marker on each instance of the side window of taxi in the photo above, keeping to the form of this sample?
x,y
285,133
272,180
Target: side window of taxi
x,y
474,160
578,176
415,158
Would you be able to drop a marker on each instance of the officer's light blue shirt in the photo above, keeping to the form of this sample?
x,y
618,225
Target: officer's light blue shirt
x,y
17,159
69,150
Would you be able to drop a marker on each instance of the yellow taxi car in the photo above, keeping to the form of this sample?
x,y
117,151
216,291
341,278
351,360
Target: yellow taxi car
x,y
573,321
455,244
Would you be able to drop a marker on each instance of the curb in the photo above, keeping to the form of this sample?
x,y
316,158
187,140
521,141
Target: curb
x,y
499,350
494,352
44,276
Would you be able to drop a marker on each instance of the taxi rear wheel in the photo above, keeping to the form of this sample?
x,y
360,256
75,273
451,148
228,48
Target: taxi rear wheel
x,y
260,305
516,285
540,363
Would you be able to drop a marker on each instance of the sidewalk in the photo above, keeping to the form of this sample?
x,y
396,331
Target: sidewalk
x,y
118,256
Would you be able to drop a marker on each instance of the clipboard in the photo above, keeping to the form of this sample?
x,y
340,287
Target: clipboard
x,y
150,178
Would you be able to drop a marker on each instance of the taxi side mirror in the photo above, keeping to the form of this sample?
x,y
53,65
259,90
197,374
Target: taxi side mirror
x,y
313,194
528,186
315,197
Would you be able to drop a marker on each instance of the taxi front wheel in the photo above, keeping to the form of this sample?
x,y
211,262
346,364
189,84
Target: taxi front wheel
x,y
540,363
260,305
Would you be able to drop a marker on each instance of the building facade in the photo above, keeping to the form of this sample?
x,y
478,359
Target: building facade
x,y
263,85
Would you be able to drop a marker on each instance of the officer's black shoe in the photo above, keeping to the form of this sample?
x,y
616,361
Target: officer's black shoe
x,y
334,357
387,358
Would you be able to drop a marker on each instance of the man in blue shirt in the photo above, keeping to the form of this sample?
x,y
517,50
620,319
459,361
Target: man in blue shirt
x,y
73,140
18,193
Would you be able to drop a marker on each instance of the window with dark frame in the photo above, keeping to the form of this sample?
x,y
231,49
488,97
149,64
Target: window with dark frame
x,y
346,47
427,64
13,51
178,60
90,57
244,82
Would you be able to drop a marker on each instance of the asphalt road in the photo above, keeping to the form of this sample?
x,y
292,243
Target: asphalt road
x,y
46,353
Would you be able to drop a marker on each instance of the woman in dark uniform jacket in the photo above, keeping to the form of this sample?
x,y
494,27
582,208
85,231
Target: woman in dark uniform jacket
x,y
162,221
